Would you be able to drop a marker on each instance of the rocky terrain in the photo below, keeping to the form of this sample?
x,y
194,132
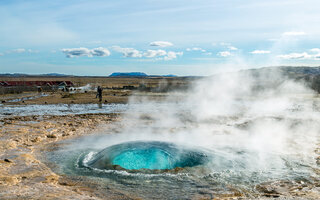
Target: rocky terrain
x,y
24,175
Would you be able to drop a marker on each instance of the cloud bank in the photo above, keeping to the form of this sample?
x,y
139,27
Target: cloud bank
x,y
80,52
302,56
128,52
158,54
172,55
154,53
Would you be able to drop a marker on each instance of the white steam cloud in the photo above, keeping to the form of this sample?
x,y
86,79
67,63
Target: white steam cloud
x,y
263,123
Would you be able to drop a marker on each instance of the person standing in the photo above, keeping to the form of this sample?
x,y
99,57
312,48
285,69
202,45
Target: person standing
x,y
99,93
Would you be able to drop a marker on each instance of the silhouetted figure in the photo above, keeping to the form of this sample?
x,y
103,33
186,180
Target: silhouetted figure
x,y
39,90
99,93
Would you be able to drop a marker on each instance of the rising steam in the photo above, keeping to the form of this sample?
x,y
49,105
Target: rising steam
x,y
266,116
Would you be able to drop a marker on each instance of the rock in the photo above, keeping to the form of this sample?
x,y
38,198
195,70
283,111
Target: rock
x,y
65,134
37,139
7,160
52,135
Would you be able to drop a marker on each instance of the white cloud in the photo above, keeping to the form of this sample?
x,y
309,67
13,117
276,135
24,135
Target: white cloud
x,y
208,53
158,54
293,33
128,52
154,53
224,53
232,48
79,52
172,55
18,50
32,51
260,52
196,49
316,50
225,44
100,51
229,46
161,44
303,55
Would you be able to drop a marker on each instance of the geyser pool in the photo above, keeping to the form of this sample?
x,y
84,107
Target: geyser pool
x,y
147,155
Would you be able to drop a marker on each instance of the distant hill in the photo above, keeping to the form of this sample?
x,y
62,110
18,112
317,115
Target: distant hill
x,y
128,74
288,70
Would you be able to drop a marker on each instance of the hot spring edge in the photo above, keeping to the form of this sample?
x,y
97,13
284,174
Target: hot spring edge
x,y
147,155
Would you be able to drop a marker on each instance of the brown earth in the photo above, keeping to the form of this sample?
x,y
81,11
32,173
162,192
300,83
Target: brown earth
x,y
24,176
110,96
113,89
107,81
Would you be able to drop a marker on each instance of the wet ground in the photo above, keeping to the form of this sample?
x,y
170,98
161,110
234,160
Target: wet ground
x,y
41,146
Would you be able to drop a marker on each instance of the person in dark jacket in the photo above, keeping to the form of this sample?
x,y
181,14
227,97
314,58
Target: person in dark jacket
x,y
99,93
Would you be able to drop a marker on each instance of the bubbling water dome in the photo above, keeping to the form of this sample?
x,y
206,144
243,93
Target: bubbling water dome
x,y
146,155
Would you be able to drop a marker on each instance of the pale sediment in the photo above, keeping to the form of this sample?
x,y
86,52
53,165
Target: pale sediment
x,y
22,139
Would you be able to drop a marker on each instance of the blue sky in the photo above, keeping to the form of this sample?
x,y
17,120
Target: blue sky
x,y
183,37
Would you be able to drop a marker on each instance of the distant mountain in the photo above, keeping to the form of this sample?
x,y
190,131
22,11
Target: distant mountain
x,y
128,74
169,75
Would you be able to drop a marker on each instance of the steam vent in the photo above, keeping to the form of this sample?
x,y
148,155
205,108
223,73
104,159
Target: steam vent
x,y
147,155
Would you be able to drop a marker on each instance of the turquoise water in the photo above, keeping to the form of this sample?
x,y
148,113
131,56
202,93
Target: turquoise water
x,y
151,158
149,155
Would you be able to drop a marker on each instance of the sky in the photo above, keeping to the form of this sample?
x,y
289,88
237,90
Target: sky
x,y
181,37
